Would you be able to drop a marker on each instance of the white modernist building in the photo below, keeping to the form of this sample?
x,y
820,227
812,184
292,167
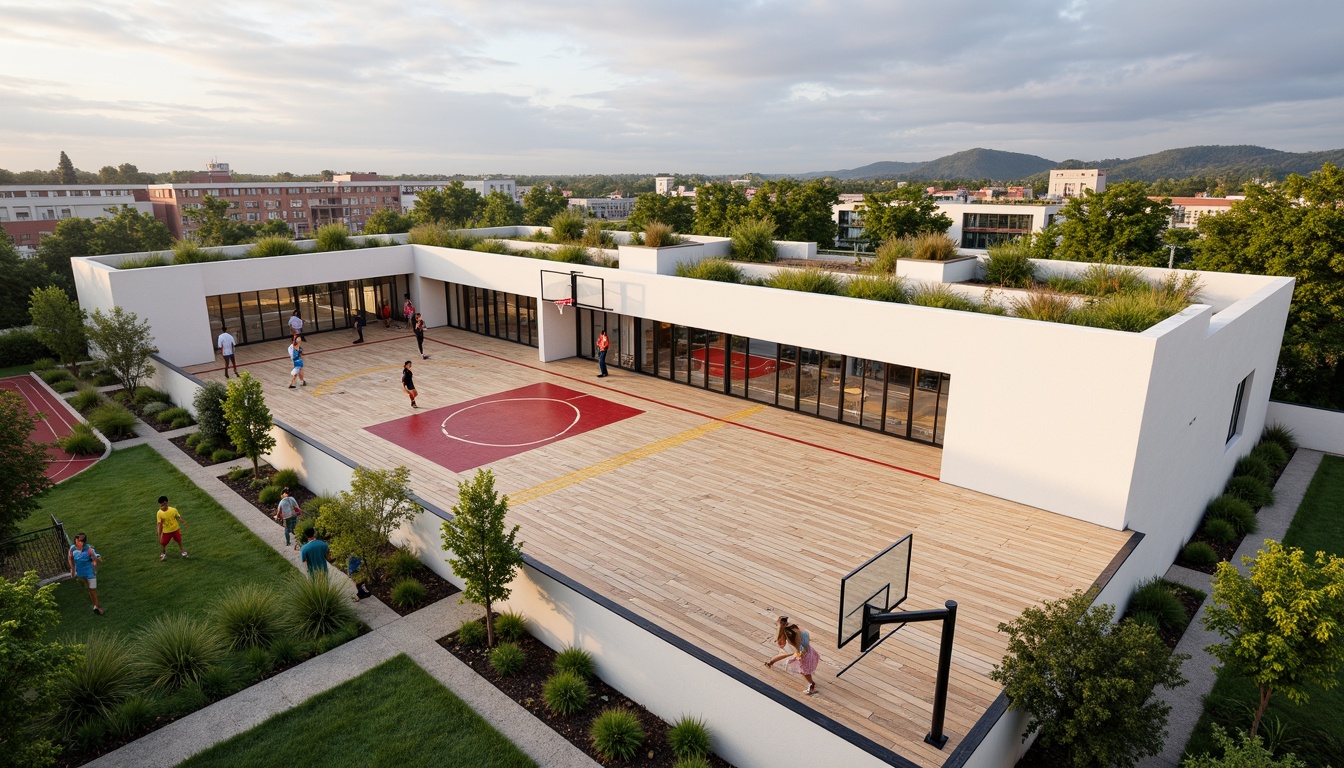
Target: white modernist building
x,y
975,225
1072,182
1129,431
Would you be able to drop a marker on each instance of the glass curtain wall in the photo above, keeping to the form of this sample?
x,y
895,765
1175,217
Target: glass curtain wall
x,y
507,316
254,316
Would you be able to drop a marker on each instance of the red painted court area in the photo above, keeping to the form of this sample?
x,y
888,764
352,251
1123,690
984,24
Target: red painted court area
x,y
57,423
760,366
472,434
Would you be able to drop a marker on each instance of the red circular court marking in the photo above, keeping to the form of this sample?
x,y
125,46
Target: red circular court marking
x,y
522,421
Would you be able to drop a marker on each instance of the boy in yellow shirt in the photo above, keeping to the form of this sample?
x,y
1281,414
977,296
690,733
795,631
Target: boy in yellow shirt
x,y
170,528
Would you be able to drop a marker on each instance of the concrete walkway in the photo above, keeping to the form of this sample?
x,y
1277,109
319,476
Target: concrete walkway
x,y
413,635
1187,702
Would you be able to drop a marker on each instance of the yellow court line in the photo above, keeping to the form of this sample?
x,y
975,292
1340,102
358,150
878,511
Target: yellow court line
x,y
325,386
616,462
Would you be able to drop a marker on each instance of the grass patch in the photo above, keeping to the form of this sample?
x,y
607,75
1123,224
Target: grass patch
x,y
394,714
15,370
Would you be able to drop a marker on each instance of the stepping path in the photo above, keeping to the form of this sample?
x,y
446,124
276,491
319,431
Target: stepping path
x,y
1187,702
413,635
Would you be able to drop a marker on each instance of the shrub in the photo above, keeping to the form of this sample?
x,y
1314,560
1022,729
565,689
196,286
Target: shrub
x,y
1234,511
692,762
718,270
68,385
155,408
278,245
316,606
209,402
616,734
144,260
304,525
878,288
689,737
1180,289
81,441
1253,466
809,280
181,422
886,255
1009,265
333,237
753,239
285,478
408,593
659,235
570,254
1277,433
1155,596
129,717
219,681
223,454
1043,305
169,415
1133,312
204,447
491,245
113,420
511,626
269,495
567,226
940,296
339,637
1272,454
53,375
238,473
403,564
193,439
933,246
286,650
1250,490
189,252
87,398
1106,279
248,616
42,364
146,395
507,659
442,236
471,633
1246,752
105,379
100,681
575,660
177,650
20,347
1220,530
1146,617
565,693
594,236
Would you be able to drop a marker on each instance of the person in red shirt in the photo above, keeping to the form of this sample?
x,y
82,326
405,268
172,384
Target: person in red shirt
x,y
603,343
386,314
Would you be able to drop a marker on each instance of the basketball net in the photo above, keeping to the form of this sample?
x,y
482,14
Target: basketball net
x,y
560,304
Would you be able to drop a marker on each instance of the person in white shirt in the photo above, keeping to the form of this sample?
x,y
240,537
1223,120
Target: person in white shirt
x,y
295,325
225,344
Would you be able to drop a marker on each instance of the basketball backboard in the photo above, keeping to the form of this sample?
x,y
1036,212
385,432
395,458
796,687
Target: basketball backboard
x,y
556,286
590,292
883,582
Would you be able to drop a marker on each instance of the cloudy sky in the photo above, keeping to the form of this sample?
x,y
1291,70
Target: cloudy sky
x,y
711,86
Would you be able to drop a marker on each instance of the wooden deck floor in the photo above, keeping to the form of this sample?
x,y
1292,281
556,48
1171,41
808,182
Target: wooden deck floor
x,y
710,515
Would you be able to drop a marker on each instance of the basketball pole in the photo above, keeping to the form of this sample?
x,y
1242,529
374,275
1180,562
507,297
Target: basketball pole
x,y
873,620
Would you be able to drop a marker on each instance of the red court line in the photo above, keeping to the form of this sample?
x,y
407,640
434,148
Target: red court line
x,y
307,354
799,441
58,423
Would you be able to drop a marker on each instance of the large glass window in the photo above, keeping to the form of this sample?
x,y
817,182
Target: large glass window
x,y
255,316
507,316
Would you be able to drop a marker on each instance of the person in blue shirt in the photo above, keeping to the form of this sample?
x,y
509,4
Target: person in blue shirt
x,y
314,553
84,563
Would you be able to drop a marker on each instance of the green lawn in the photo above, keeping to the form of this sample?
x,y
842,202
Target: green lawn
x,y
115,502
1315,732
15,370
395,714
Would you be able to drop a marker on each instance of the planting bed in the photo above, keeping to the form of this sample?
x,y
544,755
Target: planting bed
x,y
436,587
1224,551
205,461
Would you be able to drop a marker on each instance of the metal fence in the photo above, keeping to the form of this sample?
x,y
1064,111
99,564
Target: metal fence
x,y
44,551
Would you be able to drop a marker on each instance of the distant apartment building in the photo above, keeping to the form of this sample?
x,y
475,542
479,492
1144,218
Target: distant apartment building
x,y
975,225
1187,211
482,187
604,207
663,184
30,212
1067,183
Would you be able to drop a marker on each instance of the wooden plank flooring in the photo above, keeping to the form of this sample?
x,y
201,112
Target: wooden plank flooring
x,y
710,516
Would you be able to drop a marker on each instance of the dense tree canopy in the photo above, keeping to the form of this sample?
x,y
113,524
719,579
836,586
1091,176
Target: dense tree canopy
x,y
18,277
213,224
800,211
23,465
542,203
453,206
386,222
676,212
717,208
1120,226
500,210
125,230
903,212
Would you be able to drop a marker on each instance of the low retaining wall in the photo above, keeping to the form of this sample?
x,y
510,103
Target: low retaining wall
x,y
1320,429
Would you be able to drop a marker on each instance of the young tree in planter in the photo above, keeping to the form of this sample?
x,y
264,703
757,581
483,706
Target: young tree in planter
x,y
1282,623
1086,683
249,420
23,465
487,557
360,521
122,343
32,670
59,323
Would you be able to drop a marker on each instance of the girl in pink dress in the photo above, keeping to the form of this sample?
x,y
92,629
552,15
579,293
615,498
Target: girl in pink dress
x,y
804,658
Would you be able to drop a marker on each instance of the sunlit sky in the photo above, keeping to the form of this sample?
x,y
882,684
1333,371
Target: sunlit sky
x,y
683,87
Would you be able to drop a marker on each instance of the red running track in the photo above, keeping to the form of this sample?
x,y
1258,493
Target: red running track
x,y
54,422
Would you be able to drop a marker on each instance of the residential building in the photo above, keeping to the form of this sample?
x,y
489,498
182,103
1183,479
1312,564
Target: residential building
x,y
482,187
29,212
663,184
612,208
1072,182
975,225
1187,211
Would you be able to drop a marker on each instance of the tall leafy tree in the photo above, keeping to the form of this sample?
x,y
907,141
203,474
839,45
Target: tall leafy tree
x,y
486,555
718,206
73,238
386,222
541,203
453,206
903,212
801,212
122,343
249,420
361,521
1120,225
58,323
23,465
127,230
213,224
33,669
676,212
500,210
65,170
19,277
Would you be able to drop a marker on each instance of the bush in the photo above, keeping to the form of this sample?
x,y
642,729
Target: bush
x,y
1107,279
178,650
146,395
20,347
575,660
1277,433
105,379
510,626
1132,312
1156,596
129,717
169,415
565,693
809,280
689,737
941,296
285,478
491,245
277,245
81,441
1234,511
248,616
616,734
1198,553
113,420
204,447
316,606
305,524
145,260
567,226
68,385
1254,466
333,237
286,650
100,681
878,288
1272,454
181,422
209,403
193,439
1250,490
570,254
258,662
221,455
219,681
1249,752
189,252
238,473
402,564
594,236
471,633
408,593
718,270
54,375
269,495
339,637
887,254
155,408
1046,306
1009,265
507,659
87,398
1221,531
933,246
753,240
660,235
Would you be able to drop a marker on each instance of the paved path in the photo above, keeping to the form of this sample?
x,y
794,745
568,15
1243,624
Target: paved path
x,y
1187,702
413,635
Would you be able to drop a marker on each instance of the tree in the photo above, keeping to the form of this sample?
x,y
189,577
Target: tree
x,y
129,231
59,323
1246,752
23,465
274,228
1295,229
1120,226
209,404
386,222
122,343
676,212
360,521
19,277
72,238
454,205
31,669
66,170
1282,623
249,420
500,210
487,558
213,224
541,203
717,208
801,212
903,212
1086,683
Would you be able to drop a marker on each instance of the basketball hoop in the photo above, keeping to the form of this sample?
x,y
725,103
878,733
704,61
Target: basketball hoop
x,y
560,304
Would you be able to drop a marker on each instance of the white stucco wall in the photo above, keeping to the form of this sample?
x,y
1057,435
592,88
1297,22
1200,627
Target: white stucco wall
x,y
1319,429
